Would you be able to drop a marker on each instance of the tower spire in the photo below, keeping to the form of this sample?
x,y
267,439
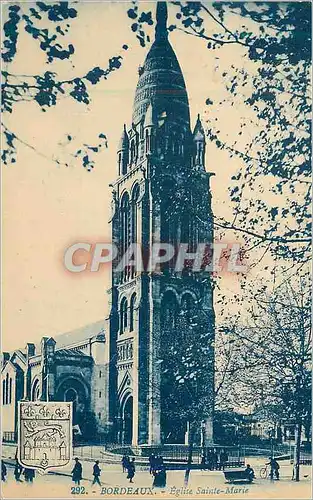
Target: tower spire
x,y
161,21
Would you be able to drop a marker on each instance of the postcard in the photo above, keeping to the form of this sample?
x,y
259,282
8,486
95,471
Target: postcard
x,y
156,222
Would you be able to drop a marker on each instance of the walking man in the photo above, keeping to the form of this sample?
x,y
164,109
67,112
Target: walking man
x,y
77,472
131,470
3,471
125,461
96,473
223,459
17,472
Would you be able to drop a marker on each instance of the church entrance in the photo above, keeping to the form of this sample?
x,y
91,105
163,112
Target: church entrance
x,y
128,421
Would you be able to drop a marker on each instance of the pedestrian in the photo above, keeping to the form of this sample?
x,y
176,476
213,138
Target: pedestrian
x,y
77,472
26,474
131,470
151,463
274,465
124,461
215,459
29,475
210,459
3,471
203,462
159,479
96,473
249,473
223,459
17,472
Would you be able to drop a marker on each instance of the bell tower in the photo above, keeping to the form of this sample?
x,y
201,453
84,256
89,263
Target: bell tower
x,y
161,195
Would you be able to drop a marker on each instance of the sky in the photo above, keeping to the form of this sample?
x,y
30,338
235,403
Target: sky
x,y
47,207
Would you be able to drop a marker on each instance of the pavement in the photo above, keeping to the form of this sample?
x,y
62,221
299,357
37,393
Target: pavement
x,y
202,484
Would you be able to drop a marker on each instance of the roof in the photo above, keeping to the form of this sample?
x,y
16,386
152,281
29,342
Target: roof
x,y
79,334
76,336
161,82
69,352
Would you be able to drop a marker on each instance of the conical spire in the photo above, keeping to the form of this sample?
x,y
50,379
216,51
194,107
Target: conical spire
x,y
198,133
123,144
161,21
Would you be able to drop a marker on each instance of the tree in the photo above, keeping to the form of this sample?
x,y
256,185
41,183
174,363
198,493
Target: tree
x,y
276,348
47,23
275,40
187,374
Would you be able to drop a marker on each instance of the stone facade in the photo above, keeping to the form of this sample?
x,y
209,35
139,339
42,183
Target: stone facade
x,y
161,182
74,367
114,374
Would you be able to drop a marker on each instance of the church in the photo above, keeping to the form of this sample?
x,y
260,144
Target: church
x,y
127,374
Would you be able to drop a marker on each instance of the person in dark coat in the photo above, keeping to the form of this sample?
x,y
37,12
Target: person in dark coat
x,y
151,463
203,462
215,459
124,461
96,473
17,472
159,480
223,459
131,470
77,472
29,475
249,473
210,459
3,471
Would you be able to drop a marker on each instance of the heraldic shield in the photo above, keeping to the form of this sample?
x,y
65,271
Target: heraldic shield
x,y
44,434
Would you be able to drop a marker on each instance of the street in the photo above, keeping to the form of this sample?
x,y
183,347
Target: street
x,y
202,484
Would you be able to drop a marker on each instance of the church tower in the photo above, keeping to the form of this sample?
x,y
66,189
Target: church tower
x,y
161,194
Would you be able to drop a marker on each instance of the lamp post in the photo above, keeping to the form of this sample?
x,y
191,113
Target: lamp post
x,y
271,435
203,437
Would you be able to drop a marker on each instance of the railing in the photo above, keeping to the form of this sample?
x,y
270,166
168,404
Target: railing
x,y
9,437
179,453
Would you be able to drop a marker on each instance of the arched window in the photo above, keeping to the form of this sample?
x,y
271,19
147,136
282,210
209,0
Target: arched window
x,y
35,391
7,389
189,308
120,164
185,228
3,392
132,151
135,196
71,396
132,312
147,141
123,315
125,227
10,391
169,311
182,144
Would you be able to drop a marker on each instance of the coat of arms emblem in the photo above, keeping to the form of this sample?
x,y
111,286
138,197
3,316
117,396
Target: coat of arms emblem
x,y
44,434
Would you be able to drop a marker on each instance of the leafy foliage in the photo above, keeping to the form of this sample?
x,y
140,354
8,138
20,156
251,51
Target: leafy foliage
x,y
45,89
275,38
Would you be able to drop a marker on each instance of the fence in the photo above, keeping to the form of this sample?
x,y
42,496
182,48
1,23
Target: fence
x,y
179,453
9,437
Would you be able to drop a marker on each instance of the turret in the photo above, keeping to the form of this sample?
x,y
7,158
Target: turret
x,y
122,153
199,141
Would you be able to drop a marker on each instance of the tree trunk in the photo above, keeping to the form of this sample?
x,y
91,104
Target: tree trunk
x,y
296,466
190,449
